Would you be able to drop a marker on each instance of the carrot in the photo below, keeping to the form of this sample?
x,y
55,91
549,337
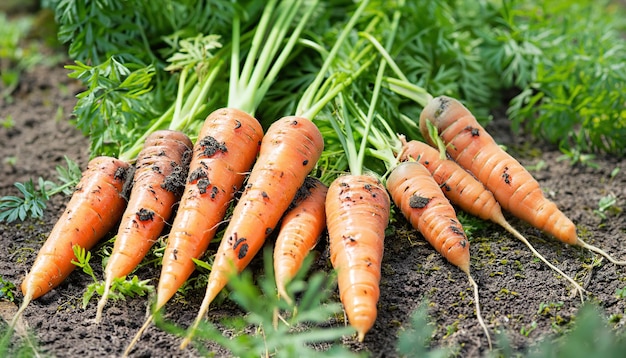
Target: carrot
x,y
422,202
512,185
94,209
160,173
226,148
289,151
357,214
299,232
462,189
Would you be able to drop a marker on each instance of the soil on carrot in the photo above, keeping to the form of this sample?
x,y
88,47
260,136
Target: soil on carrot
x,y
520,295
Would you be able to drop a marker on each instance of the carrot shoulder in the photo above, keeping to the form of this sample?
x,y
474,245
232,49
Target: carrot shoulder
x,y
159,178
299,232
94,209
513,186
422,202
357,214
289,151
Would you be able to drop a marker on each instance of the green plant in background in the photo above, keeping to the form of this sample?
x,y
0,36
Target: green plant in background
x,y
575,94
7,289
414,339
33,200
13,55
20,49
589,337
607,204
24,347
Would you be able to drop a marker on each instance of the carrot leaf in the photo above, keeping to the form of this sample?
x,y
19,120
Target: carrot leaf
x,y
32,201
121,288
413,341
7,290
82,260
116,103
31,204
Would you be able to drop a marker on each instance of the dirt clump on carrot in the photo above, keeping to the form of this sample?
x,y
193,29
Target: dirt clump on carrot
x,y
228,145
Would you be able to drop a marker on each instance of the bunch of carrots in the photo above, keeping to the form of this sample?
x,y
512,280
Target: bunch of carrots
x,y
189,187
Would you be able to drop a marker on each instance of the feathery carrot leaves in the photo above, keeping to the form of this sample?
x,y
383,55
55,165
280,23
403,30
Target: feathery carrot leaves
x,y
31,202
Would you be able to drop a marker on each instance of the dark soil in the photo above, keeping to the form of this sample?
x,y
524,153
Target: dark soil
x,y
513,284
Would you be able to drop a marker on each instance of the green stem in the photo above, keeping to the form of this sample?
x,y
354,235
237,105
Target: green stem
x,y
130,153
234,59
196,100
377,86
191,96
409,90
306,101
282,58
257,42
328,96
178,104
386,55
248,88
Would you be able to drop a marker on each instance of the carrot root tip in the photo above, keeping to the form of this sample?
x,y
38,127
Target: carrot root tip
x,y
601,252
478,314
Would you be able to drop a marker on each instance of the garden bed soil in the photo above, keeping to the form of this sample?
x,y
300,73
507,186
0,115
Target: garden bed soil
x,y
513,284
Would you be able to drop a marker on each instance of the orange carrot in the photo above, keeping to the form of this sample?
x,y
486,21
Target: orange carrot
x,y
357,214
94,209
512,185
299,232
422,202
462,189
226,149
289,151
159,180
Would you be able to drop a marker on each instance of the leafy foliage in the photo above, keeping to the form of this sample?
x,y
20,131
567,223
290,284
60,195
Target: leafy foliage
x,y
442,53
25,347
6,290
590,336
121,287
20,50
116,103
32,202
568,58
135,30
413,341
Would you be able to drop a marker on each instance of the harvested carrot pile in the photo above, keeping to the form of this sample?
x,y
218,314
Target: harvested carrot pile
x,y
314,177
